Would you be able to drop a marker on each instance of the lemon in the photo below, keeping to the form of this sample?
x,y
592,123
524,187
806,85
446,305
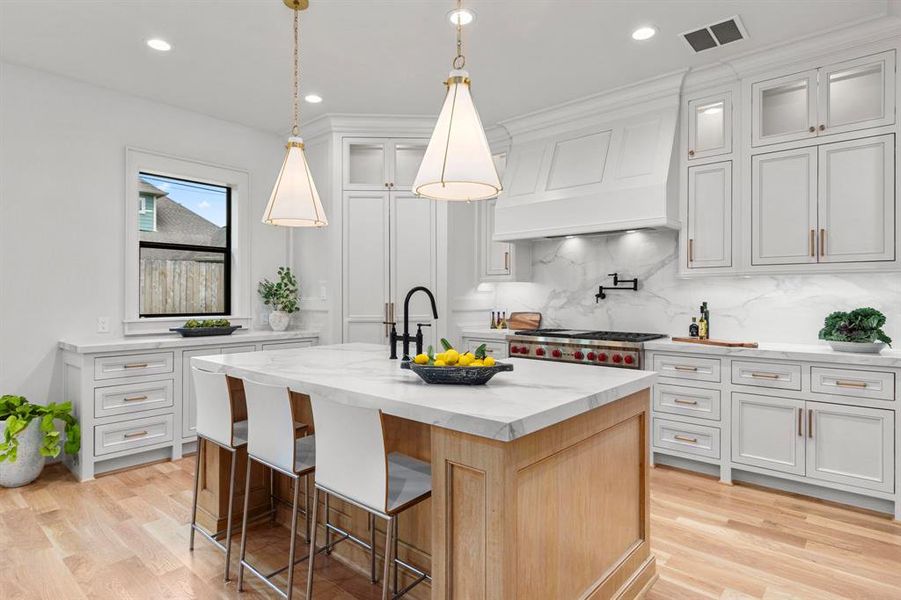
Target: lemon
x,y
470,355
465,360
440,363
451,357
441,356
421,359
477,363
488,362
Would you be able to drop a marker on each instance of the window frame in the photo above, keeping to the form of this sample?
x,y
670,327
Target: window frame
x,y
224,251
238,244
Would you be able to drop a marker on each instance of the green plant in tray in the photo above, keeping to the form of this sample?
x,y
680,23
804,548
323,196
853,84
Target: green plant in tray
x,y
862,325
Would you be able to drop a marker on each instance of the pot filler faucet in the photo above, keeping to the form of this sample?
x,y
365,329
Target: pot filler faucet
x,y
406,337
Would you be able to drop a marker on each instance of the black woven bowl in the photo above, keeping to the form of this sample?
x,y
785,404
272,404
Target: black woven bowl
x,y
205,331
456,375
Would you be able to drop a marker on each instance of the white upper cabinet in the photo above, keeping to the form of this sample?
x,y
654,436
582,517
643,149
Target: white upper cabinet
x,y
784,109
500,261
857,94
710,215
856,214
379,164
784,207
838,98
709,126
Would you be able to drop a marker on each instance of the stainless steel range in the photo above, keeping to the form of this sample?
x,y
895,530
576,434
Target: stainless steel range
x,y
606,348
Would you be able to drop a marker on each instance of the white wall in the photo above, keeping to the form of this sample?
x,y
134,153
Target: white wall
x,y
567,272
62,182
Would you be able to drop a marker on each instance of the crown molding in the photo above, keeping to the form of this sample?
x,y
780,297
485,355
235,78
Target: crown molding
x,y
356,124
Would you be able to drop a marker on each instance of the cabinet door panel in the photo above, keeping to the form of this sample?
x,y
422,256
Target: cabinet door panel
x,y
413,258
857,200
710,215
857,94
852,445
768,432
497,254
710,126
406,156
784,109
365,266
784,207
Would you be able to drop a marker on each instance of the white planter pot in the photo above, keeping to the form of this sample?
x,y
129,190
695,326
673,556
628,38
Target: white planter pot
x,y
29,463
279,320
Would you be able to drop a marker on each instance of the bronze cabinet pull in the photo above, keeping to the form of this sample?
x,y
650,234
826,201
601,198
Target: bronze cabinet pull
x,y
691,250
813,243
688,402
822,242
812,129
822,127
758,375
135,434
133,398
135,366
801,422
685,438
691,152
810,423
850,384
684,368
507,261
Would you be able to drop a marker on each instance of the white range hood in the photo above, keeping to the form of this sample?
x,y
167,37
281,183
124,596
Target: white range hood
x,y
601,164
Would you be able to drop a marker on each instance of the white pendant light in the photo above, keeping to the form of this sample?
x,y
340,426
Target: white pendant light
x,y
457,164
294,201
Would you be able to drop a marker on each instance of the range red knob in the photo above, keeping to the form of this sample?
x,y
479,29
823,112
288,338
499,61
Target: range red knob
x,y
592,356
602,357
578,355
556,353
540,352
514,349
629,359
617,358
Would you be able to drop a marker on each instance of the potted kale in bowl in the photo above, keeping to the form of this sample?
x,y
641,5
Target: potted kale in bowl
x,y
857,331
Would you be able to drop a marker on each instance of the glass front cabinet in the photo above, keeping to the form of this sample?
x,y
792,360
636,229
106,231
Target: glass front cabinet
x,y
382,164
710,126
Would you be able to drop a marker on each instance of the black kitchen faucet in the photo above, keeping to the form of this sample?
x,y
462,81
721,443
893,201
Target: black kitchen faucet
x,y
406,337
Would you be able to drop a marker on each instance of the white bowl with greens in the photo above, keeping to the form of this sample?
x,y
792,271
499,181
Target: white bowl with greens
x,y
857,331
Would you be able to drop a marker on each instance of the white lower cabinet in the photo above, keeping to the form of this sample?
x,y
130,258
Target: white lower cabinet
x,y
768,432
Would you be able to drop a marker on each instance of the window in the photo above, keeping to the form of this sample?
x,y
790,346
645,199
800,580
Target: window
x,y
184,247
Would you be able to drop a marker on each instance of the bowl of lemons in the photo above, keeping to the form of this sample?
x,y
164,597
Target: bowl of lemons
x,y
455,367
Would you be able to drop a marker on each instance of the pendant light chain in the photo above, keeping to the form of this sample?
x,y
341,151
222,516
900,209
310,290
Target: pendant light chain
x,y
295,130
459,60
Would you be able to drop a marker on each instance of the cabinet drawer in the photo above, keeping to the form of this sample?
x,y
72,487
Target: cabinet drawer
x,y
282,345
133,434
688,367
785,376
688,438
133,365
877,385
132,398
495,348
688,401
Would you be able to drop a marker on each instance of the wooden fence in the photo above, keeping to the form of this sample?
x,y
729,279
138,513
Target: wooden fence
x,y
181,287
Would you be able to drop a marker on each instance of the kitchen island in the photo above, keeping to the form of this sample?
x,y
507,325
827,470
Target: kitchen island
x,y
540,478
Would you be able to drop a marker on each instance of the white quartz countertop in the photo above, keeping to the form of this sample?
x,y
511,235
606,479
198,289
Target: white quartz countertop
x,y
806,352
487,333
535,395
176,341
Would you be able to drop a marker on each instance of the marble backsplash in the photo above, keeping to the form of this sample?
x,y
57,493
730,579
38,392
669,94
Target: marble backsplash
x,y
784,308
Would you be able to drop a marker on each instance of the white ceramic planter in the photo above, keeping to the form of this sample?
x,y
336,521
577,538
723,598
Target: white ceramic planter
x,y
279,320
30,463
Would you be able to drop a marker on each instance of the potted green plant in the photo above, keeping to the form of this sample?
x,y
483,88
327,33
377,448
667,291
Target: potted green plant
x,y
283,296
28,436
857,331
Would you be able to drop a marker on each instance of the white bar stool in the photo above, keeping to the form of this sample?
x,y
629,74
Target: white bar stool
x,y
354,465
215,424
272,441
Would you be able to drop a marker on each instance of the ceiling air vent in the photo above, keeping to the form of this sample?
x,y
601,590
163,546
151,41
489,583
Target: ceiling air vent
x,y
715,35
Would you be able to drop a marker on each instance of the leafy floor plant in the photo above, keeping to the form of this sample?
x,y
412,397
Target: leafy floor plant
x,y
19,413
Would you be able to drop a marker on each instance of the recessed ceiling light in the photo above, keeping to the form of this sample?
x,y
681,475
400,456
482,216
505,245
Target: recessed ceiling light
x,y
631,231
643,33
461,16
158,44
313,98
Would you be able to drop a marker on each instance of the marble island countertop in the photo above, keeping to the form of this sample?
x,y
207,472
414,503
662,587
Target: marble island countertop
x,y
817,352
535,395
155,342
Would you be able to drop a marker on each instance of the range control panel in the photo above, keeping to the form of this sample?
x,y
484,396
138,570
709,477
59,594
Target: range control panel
x,y
608,356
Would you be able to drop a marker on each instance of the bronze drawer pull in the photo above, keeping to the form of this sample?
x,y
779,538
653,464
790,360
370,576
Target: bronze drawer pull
x,y
685,438
689,402
822,242
810,423
757,375
684,368
850,384
133,398
135,366
135,434
813,243
800,422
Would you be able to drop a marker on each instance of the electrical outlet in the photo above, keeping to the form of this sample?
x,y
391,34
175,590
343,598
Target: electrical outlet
x,y
323,292
102,324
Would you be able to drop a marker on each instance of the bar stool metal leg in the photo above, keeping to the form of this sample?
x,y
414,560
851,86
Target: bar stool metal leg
x,y
372,576
390,532
306,506
228,519
244,529
200,446
293,538
313,543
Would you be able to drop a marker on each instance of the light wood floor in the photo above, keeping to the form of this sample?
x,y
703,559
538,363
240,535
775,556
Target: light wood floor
x,y
125,536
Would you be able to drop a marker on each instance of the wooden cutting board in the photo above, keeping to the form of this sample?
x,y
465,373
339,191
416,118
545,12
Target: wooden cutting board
x,y
524,320
724,343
